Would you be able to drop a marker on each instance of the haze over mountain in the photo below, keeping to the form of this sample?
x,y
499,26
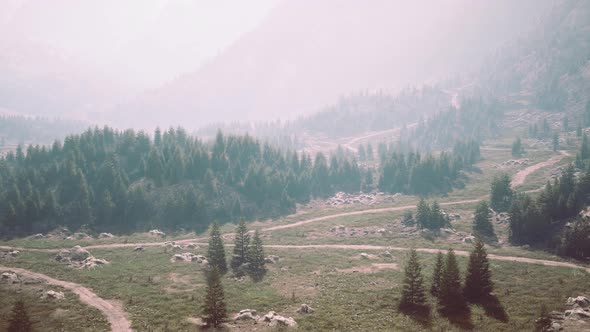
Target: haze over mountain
x,y
93,61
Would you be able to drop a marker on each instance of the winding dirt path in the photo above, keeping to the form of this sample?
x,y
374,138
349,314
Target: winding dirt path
x,y
112,310
430,251
519,178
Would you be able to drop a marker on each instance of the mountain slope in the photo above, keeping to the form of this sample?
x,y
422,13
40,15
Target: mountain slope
x,y
306,54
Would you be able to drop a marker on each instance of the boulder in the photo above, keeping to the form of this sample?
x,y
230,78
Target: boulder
x,y
157,232
92,262
246,314
105,236
580,301
38,236
176,247
139,248
305,309
10,277
279,321
13,253
577,313
271,259
54,295
79,254
192,246
365,255
81,236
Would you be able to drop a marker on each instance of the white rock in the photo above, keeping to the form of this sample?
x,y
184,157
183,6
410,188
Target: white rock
x,y
305,309
54,295
10,277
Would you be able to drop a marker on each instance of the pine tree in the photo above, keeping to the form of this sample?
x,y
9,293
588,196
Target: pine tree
x,y
478,282
256,267
214,308
413,293
423,214
19,320
240,254
451,294
437,274
502,194
481,223
216,250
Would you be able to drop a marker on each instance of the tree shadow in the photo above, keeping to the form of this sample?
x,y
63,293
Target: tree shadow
x,y
493,308
460,317
420,314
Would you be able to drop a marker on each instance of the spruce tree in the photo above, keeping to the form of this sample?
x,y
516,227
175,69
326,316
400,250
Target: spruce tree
x,y
240,254
437,274
214,308
451,295
423,214
216,250
19,320
478,281
256,267
481,223
413,293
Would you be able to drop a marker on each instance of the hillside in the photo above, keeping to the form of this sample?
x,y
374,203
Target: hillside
x,y
297,60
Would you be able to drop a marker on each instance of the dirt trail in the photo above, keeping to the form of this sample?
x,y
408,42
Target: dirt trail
x,y
519,178
112,310
356,213
431,251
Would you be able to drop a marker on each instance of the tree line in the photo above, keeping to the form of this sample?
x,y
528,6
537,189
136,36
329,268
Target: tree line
x,y
124,181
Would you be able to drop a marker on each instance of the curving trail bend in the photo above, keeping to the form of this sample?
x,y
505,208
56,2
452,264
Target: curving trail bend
x,y
519,178
113,311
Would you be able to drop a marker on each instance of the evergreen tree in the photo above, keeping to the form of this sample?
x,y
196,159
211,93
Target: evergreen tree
x,y
214,308
555,141
256,267
501,193
481,223
19,320
423,214
451,294
478,281
437,218
413,294
437,274
240,254
517,148
216,250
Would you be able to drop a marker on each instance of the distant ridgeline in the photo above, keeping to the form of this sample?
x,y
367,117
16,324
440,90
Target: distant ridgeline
x,y
16,129
126,181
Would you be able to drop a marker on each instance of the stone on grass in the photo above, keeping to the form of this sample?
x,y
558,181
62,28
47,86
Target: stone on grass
x,y
105,236
139,248
305,309
10,277
271,259
157,232
54,295
246,314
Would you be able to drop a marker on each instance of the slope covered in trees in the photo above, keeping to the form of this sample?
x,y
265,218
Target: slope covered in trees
x,y
126,181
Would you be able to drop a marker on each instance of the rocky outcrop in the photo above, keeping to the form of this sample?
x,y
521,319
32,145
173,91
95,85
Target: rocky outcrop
x,y
188,257
575,318
10,277
79,257
105,236
245,315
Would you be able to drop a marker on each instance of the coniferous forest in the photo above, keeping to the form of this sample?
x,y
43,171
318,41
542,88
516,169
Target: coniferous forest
x,y
125,181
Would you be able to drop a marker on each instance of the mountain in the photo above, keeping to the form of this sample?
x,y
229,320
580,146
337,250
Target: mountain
x,y
305,54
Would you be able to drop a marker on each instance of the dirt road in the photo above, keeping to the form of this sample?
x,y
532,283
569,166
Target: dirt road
x,y
519,178
112,310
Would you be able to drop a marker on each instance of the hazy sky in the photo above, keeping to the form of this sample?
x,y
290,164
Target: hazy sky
x,y
132,37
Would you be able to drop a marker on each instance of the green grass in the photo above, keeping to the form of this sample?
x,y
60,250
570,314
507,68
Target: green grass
x,y
157,292
50,315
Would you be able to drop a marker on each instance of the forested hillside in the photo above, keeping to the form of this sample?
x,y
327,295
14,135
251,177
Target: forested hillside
x,y
19,129
125,181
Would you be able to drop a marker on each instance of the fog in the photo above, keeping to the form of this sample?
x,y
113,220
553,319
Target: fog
x,y
143,63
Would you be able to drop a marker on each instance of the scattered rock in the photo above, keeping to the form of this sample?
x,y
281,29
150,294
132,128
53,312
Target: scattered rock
x,y
81,236
192,246
54,295
271,259
575,318
275,320
580,301
188,257
176,247
157,232
105,236
10,277
246,314
92,262
305,309
37,236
